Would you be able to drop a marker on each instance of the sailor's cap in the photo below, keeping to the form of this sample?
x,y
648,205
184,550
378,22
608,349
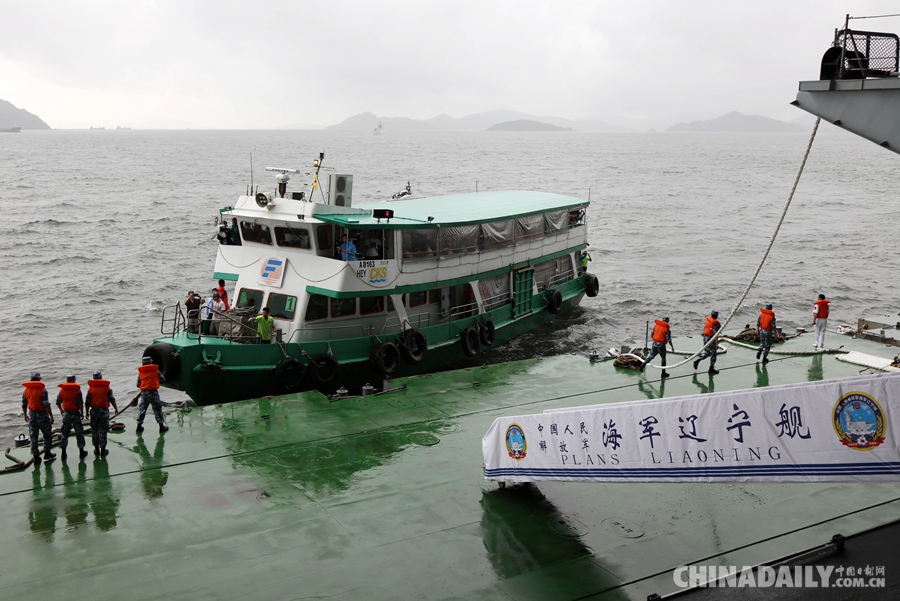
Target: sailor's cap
x,y
147,360
768,305
35,375
70,378
98,374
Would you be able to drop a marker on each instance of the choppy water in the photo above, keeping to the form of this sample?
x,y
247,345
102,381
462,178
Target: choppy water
x,y
101,229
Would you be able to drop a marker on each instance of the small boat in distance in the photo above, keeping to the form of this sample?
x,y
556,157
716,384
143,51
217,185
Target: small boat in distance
x,y
92,127
11,130
120,127
378,130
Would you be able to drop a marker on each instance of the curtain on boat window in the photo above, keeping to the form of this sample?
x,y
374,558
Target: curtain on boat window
x,y
555,221
529,227
497,234
494,291
459,239
420,244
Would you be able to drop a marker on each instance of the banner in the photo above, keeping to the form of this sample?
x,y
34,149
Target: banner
x,y
832,431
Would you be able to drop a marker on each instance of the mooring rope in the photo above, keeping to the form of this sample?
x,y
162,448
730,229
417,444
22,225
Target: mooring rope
x,y
761,263
824,351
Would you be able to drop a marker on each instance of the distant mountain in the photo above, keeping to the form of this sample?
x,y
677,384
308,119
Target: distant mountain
x,y
738,122
475,122
526,125
10,116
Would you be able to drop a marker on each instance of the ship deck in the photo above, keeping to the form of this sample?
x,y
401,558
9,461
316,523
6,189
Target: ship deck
x,y
383,498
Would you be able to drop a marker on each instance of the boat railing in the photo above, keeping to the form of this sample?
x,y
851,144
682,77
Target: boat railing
x,y
330,331
175,320
860,54
466,310
415,320
559,279
492,302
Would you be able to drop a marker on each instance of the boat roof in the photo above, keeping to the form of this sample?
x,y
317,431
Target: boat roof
x,y
456,209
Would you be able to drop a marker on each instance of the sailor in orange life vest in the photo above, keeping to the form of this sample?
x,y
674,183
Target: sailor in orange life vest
x,y
71,407
765,324
661,336
97,402
710,329
820,319
36,401
148,381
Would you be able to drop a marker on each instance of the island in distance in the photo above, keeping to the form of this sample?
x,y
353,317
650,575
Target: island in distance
x,y
526,125
738,123
11,116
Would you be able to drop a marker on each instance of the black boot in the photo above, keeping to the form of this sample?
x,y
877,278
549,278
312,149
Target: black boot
x,y
696,364
37,459
758,353
713,371
63,455
163,428
765,360
664,374
97,451
82,454
104,452
48,456
139,429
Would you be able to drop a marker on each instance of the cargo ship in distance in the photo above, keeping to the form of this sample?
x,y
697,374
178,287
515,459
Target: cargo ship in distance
x,y
424,283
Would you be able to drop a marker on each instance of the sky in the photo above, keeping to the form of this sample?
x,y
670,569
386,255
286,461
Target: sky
x,y
267,64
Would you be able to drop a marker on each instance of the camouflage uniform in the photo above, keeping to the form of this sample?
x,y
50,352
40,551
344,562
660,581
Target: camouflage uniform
x,y
765,334
148,382
71,420
39,421
99,416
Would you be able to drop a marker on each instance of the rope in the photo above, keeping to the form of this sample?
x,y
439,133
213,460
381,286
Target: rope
x,y
762,261
830,351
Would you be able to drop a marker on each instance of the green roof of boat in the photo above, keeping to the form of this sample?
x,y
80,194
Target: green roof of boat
x,y
456,209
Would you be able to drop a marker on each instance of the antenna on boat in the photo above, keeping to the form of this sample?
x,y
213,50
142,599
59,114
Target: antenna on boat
x,y
251,170
317,163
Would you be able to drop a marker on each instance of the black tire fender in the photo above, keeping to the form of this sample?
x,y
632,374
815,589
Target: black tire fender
x,y
414,347
554,301
471,342
290,373
488,332
324,368
385,357
166,358
591,285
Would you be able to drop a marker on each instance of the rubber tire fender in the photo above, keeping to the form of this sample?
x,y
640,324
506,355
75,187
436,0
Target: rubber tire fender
x,y
414,347
290,373
488,332
385,357
166,357
324,369
554,301
591,285
471,341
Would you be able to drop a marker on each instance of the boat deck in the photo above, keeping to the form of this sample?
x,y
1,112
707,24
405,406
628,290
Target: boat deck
x,y
383,497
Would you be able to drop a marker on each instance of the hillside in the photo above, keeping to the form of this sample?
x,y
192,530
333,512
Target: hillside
x,y
738,122
10,116
475,122
526,125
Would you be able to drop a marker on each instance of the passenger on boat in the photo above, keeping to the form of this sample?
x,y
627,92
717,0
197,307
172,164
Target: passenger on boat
x,y
215,312
585,259
223,234
765,324
264,326
347,249
710,329
661,335
223,294
71,406
192,304
235,234
148,381
97,401
372,251
36,402
378,242
820,319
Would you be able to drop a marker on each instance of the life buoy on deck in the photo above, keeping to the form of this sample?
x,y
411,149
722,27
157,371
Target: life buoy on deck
x,y
166,358
554,301
471,342
324,368
289,374
488,332
414,347
385,357
591,284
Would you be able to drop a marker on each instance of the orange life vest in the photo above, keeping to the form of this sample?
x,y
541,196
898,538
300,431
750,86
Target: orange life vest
x,y
823,309
68,394
149,375
34,394
766,317
710,327
99,391
660,330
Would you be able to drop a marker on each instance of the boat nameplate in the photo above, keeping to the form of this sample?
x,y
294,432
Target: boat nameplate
x,y
374,273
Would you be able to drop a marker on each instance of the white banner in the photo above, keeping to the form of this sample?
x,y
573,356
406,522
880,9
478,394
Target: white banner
x,y
832,431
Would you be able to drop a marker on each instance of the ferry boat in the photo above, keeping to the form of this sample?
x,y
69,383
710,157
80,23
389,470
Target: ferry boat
x,y
423,283
378,130
11,130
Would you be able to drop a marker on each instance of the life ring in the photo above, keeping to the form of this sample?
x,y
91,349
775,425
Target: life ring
x,y
591,285
488,332
289,374
385,357
324,368
166,358
554,301
471,341
414,347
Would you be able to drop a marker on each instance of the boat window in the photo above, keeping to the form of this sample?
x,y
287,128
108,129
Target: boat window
x,y
292,237
255,232
417,299
282,306
576,217
555,221
459,239
248,297
317,308
324,238
420,244
497,234
390,303
342,307
434,296
529,227
375,244
369,305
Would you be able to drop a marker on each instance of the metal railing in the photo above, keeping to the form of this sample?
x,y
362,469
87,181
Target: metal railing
x,y
861,54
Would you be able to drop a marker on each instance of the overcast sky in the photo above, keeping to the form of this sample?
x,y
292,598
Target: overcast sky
x,y
269,63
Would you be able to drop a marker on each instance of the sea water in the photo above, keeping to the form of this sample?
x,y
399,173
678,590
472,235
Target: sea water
x,y
100,230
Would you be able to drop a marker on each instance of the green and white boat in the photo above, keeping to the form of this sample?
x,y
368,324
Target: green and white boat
x,y
428,282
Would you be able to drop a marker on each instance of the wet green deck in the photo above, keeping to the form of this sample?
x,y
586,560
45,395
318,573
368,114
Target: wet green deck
x,y
384,498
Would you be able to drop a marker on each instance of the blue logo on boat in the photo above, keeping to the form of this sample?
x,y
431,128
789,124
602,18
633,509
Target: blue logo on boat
x,y
859,421
271,267
516,444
